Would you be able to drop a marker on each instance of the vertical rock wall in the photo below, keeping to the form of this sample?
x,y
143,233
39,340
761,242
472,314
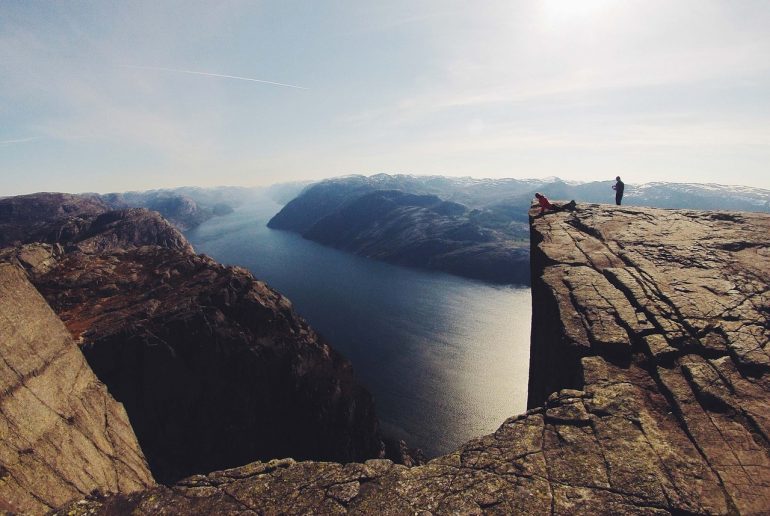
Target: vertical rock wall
x,y
62,435
664,317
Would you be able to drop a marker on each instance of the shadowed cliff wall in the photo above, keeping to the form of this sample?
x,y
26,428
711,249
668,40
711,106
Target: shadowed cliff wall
x,y
657,319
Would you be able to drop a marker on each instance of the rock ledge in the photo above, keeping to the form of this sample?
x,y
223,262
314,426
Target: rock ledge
x,y
649,381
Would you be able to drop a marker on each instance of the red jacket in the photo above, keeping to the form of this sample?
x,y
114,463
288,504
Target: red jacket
x,y
544,203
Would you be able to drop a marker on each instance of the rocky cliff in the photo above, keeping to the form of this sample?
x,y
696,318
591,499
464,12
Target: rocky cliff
x,y
47,217
214,368
651,329
63,435
82,222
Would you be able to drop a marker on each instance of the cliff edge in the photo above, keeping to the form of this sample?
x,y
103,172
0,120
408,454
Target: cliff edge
x,y
213,367
63,435
649,384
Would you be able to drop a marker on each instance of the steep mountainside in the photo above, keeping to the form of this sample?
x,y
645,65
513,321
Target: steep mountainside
x,y
214,368
657,320
182,211
417,230
187,207
63,435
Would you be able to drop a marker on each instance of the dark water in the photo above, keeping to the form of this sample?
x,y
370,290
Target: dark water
x,y
446,358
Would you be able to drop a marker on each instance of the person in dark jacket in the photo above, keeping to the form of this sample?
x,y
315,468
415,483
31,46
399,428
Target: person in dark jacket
x,y
618,187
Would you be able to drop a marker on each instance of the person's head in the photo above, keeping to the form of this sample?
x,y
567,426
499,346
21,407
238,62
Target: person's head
x,y
617,178
538,195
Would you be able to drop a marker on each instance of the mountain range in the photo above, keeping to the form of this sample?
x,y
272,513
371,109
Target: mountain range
x,y
476,228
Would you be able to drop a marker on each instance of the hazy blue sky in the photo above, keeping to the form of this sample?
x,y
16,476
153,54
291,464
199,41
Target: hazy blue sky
x,y
651,90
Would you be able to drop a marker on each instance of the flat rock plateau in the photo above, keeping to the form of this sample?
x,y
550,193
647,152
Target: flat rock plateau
x,y
648,391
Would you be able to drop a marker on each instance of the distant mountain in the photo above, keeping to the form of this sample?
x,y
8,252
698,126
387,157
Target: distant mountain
x,y
476,228
408,228
179,209
185,207
189,206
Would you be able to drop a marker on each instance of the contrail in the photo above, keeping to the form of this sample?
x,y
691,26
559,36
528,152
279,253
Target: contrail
x,y
19,140
192,72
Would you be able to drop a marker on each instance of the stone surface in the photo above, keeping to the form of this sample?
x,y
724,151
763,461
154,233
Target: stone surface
x,y
675,302
82,222
62,436
214,367
648,395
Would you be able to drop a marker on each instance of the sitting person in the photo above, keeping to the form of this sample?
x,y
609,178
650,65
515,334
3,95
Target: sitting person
x,y
545,204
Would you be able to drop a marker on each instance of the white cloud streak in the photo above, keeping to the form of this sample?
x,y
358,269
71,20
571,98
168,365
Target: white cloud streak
x,y
19,140
208,74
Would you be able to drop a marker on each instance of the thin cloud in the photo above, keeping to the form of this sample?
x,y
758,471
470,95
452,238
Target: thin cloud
x,y
19,140
207,74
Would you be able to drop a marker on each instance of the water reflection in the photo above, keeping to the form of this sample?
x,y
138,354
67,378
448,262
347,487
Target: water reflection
x,y
446,358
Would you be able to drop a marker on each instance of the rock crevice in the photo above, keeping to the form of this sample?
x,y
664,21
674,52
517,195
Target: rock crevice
x,y
648,390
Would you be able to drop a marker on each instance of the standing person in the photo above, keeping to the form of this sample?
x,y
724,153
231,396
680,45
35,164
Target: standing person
x,y
618,187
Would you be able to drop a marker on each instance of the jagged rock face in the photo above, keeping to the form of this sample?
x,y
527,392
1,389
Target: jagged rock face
x,y
214,368
82,222
126,229
63,435
46,217
665,418
35,258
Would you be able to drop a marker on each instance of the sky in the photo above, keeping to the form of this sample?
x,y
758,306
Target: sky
x,y
114,96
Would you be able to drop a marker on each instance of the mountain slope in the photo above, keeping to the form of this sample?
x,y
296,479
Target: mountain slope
x,y
214,368
421,230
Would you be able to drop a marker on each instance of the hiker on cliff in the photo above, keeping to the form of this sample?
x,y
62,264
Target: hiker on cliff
x,y
545,204
618,187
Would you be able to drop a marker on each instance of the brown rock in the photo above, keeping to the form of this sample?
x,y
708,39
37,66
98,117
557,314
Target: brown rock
x,y
214,368
649,390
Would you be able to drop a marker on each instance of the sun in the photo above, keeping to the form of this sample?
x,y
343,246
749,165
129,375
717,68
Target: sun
x,y
568,9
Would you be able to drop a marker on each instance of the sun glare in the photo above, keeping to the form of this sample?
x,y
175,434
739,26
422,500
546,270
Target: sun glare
x,y
570,9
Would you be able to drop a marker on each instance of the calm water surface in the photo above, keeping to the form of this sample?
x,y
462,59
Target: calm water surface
x,y
446,358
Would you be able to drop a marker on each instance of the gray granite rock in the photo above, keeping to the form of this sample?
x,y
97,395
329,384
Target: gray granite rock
x,y
649,390
63,435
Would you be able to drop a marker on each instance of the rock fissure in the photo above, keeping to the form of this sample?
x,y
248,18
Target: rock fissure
x,y
685,427
658,324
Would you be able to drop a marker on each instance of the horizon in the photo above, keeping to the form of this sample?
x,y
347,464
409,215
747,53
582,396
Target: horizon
x,y
143,96
546,181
